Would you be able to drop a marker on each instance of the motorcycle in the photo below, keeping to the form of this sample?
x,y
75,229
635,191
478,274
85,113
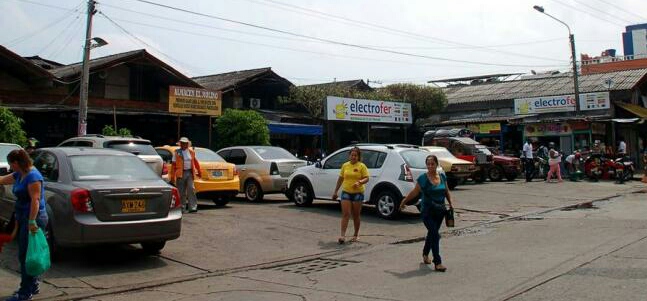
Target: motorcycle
x,y
597,167
624,169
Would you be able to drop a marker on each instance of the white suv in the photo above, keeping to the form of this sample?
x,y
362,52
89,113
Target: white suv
x,y
393,170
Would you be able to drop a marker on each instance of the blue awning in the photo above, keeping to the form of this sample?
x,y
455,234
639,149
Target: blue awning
x,y
295,129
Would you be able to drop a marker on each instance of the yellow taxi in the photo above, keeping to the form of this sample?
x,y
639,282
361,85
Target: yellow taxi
x,y
457,170
219,181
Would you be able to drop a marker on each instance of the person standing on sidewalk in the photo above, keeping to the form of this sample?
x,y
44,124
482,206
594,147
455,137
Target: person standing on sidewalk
x,y
529,162
554,159
184,167
434,190
353,176
30,214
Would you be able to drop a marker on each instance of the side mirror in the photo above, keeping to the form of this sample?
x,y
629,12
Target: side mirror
x,y
318,164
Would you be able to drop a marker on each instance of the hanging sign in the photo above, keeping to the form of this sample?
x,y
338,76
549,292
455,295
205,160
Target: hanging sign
x,y
547,129
561,103
189,100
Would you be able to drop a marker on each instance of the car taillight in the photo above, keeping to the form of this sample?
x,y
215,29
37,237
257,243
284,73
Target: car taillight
x,y
176,202
81,201
235,171
407,173
164,169
274,169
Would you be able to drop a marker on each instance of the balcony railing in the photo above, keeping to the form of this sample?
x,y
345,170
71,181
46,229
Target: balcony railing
x,y
609,59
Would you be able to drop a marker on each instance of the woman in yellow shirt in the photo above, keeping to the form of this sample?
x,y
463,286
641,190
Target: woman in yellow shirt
x,y
352,178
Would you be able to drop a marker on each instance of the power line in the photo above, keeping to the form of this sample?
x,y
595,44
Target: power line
x,y
326,40
34,33
602,12
588,13
624,10
68,41
46,5
402,32
69,25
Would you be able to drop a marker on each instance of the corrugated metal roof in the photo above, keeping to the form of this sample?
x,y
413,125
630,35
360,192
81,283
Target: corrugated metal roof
x,y
356,84
75,69
229,80
556,85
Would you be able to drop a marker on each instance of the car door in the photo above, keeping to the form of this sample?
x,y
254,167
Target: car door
x,y
325,178
239,157
373,161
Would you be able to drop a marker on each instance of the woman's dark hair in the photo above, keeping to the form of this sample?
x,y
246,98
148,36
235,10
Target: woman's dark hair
x,y
21,157
431,157
359,153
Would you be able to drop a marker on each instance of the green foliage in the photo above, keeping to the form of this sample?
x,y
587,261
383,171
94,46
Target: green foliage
x,y
108,130
241,127
424,100
11,128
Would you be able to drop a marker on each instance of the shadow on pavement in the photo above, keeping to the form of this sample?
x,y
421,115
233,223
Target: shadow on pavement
x,y
423,270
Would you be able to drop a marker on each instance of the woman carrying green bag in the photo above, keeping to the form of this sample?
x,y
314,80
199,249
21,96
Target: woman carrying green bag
x,y
30,214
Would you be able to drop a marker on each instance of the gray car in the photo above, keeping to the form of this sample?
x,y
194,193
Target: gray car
x,y
101,196
262,169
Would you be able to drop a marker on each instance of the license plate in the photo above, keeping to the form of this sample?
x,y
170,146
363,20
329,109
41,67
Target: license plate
x,y
132,206
216,173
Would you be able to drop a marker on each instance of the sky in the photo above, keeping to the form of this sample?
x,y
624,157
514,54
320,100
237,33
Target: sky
x,y
316,41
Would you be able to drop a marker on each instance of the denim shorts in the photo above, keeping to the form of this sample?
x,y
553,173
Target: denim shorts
x,y
353,197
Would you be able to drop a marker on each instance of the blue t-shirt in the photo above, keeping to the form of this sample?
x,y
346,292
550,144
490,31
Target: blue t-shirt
x,y
21,191
430,192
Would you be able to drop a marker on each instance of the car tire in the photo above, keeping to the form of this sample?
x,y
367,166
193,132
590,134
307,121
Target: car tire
x,y
387,203
253,191
495,174
301,194
221,202
452,183
154,247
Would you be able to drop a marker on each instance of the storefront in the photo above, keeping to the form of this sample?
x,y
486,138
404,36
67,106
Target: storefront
x,y
350,121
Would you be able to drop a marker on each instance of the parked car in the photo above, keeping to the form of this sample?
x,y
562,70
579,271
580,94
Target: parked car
x,y
219,181
135,145
457,141
457,170
103,196
504,166
393,170
5,149
262,169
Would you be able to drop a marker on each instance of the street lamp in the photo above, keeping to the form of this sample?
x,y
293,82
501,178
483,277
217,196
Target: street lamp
x,y
90,43
571,37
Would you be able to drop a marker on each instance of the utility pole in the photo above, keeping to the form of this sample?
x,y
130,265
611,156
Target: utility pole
x,y
576,84
85,73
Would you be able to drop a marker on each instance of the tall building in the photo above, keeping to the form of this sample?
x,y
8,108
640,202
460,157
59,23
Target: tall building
x,y
634,41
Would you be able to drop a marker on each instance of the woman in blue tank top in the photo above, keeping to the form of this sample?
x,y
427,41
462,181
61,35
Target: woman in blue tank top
x,y
434,190
30,213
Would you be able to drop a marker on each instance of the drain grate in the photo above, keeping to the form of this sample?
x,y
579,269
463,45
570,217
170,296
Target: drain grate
x,y
312,266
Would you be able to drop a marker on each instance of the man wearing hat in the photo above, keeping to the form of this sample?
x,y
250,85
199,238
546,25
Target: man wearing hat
x,y
184,167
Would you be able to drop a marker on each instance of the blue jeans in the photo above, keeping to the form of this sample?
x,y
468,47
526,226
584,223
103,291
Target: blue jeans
x,y
432,218
27,283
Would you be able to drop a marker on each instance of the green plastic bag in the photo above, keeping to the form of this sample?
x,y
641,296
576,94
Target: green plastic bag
x,y
37,260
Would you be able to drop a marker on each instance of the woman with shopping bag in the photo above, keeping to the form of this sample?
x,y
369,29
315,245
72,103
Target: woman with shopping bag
x,y
30,215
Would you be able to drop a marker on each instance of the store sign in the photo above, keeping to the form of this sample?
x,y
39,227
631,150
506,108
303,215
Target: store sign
x,y
485,128
547,129
188,100
561,103
364,110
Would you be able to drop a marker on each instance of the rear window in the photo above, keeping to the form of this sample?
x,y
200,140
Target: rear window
x,y
207,155
415,158
113,168
133,147
269,153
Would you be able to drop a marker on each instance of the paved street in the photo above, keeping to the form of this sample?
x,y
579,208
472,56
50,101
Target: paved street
x,y
237,252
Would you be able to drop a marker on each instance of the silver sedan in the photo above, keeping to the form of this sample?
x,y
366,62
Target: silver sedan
x,y
101,196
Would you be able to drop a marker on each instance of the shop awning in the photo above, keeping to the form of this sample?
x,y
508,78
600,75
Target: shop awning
x,y
633,109
295,129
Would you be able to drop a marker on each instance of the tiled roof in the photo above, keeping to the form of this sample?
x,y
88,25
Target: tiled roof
x,y
554,85
229,80
15,63
356,83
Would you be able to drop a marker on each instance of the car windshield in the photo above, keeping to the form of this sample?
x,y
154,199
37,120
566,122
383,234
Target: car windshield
x,y
484,149
269,153
442,154
133,147
5,150
207,155
110,167
415,158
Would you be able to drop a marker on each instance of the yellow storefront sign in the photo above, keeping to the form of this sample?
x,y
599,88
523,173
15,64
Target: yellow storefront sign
x,y
485,128
188,100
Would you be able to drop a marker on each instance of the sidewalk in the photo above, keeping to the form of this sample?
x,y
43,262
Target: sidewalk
x,y
590,254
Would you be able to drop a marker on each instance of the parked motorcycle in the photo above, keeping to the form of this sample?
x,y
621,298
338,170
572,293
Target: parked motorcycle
x,y
597,167
624,169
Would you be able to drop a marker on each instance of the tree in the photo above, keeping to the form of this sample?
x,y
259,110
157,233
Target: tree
x,y
11,128
424,100
108,130
241,127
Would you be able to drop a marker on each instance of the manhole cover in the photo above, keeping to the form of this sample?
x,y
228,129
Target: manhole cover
x,y
313,266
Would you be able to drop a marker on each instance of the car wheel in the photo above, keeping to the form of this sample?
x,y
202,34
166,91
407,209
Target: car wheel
x,y
302,194
221,202
51,242
388,204
153,248
496,174
253,191
452,183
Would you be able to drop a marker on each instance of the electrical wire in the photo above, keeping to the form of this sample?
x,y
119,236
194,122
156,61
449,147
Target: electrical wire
x,y
624,10
602,12
68,26
327,40
46,5
32,34
588,13
68,40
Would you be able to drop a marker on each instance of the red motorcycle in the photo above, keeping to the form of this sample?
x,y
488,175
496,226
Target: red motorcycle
x,y
597,167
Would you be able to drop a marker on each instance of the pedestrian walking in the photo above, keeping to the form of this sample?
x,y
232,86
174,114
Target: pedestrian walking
x,y
353,176
434,190
184,167
554,159
622,147
29,213
528,161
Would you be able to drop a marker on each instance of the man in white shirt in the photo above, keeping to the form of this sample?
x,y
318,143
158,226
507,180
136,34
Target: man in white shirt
x,y
529,162
622,148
